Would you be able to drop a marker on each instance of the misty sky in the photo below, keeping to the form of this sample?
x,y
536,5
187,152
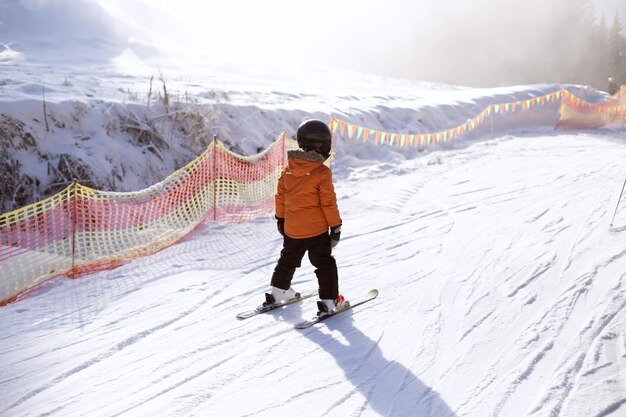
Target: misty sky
x,y
477,42
432,40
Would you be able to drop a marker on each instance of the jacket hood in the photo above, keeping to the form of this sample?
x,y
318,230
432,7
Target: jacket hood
x,y
302,162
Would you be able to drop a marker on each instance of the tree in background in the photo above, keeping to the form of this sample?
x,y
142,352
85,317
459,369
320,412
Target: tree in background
x,y
600,36
583,36
616,50
587,50
508,42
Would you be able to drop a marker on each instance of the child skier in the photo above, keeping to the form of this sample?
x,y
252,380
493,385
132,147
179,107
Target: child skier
x,y
306,208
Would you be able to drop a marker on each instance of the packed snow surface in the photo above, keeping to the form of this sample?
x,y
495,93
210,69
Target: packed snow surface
x,y
501,293
502,285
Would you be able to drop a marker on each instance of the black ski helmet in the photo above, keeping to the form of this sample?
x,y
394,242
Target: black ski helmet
x,y
314,134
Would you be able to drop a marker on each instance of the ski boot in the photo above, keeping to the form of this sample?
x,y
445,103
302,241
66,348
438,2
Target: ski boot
x,y
328,306
277,295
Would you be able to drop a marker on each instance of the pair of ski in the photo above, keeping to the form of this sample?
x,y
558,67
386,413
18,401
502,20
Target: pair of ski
x,y
370,295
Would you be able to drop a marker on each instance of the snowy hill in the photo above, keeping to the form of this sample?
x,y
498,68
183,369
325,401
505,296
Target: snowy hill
x,y
83,97
502,288
501,294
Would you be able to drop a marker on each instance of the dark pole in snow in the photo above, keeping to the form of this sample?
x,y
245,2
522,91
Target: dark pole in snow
x,y
618,200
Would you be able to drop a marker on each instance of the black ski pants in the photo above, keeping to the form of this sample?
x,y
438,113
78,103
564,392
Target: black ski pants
x,y
320,256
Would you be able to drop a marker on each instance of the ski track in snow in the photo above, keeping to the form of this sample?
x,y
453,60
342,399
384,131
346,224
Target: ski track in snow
x,y
501,294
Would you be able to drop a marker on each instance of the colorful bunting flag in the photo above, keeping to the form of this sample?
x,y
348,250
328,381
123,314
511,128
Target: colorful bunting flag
x,y
608,109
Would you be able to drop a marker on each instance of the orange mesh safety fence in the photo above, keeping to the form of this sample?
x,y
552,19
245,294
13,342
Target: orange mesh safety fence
x,y
246,185
576,113
81,230
35,243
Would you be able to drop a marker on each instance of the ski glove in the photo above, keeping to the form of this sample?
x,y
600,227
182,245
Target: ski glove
x,y
335,235
280,225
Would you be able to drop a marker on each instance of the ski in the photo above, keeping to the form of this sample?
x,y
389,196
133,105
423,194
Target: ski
x,y
371,294
264,308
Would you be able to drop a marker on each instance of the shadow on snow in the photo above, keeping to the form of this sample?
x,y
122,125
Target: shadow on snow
x,y
389,388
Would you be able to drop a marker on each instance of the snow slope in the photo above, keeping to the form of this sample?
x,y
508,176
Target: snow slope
x,y
502,293
502,287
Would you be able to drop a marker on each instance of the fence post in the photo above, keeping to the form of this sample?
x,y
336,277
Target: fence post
x,y
284,156
214,178
74,223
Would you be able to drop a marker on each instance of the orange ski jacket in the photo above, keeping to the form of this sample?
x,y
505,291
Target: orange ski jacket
x,y
305,196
